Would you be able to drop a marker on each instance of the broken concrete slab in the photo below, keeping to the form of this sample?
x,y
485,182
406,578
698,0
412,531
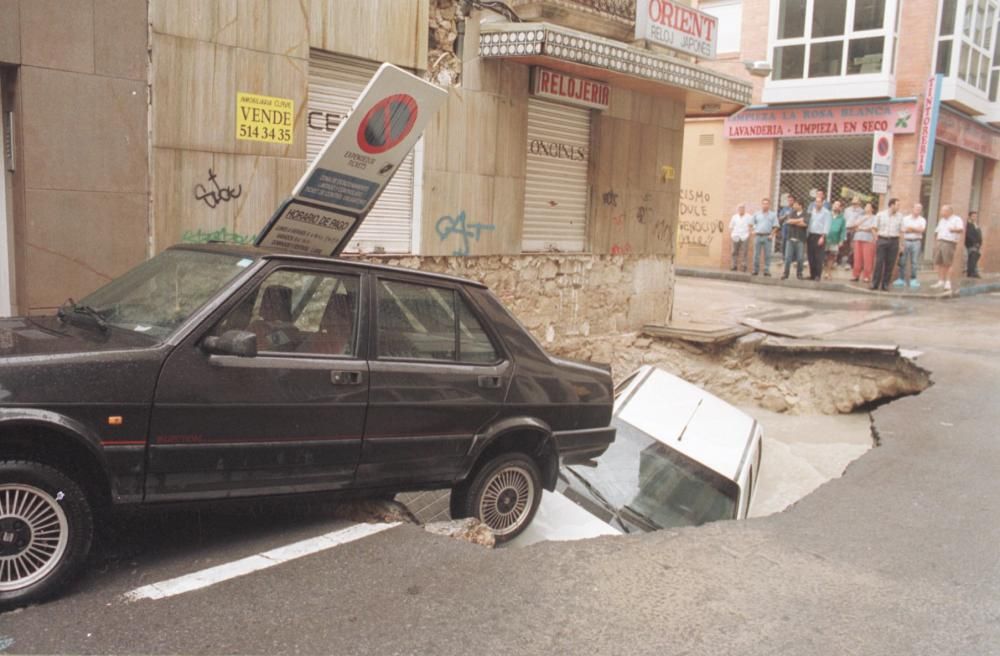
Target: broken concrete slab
x,y
814,323
782,345
469,529
699,333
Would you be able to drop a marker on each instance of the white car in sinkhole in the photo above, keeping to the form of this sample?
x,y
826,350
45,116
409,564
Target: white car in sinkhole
x,y
682,457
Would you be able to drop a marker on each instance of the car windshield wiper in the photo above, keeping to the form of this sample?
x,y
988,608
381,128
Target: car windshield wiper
x,y
70,307
594,492
641,517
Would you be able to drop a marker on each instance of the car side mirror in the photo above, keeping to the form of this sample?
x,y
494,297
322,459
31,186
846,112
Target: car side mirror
x,y
240,343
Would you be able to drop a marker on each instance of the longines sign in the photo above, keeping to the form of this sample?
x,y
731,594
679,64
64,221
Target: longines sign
x,y
677,26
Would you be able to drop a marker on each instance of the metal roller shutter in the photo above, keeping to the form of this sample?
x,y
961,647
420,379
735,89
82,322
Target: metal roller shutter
x,y
840,166
556,190
335,82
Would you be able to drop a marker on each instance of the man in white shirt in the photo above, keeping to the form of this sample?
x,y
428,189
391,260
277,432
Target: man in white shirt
x,y
949,229
739,232
914,226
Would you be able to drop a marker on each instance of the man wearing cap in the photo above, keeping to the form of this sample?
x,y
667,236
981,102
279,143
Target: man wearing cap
x,y
852,215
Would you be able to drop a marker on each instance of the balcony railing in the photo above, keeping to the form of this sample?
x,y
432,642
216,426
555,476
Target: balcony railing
x,y
611,18
624,9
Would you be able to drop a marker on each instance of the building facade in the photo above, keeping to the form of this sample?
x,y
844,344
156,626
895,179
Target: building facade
x,y
552,173
842,71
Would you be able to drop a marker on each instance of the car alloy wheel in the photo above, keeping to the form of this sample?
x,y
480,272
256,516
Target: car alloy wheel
x,y
507,499
34,534
46,528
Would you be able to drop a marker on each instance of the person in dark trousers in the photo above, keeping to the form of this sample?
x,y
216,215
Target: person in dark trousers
x,y
795,243
782,234
888,227
973,245
818,218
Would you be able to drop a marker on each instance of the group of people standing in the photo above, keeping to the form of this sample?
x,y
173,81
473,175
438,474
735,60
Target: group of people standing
x,y
879,240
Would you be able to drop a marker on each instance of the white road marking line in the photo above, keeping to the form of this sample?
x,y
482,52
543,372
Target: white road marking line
x,y
212,575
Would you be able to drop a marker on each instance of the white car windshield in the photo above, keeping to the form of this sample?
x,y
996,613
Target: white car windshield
x,y
641,476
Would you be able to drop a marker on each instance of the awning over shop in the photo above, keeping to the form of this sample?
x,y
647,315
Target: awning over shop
x,y
614,62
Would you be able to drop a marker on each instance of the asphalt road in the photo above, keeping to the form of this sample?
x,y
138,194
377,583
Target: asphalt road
x,y
899,556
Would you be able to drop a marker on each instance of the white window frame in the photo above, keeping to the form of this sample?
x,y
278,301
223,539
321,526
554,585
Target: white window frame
x,y
834,87
708,5
970,97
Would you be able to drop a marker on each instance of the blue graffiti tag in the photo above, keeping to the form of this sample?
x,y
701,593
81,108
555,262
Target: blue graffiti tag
x,y
447,225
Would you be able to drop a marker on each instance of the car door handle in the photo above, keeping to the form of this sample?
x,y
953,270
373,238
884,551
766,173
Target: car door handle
x,y
345,377
489,382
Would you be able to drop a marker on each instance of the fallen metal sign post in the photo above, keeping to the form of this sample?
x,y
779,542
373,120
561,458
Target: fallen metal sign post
x,y
340,187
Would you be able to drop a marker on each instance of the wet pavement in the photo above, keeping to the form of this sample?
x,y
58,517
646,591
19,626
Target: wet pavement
x,y
842,281
898,556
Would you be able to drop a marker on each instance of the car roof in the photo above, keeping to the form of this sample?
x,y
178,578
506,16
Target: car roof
x,y
272,254
688,419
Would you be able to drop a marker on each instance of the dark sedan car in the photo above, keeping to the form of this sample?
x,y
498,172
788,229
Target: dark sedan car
x,y
213,372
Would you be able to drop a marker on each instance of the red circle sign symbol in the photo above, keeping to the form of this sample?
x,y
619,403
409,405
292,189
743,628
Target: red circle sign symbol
x,y
883,147
387,123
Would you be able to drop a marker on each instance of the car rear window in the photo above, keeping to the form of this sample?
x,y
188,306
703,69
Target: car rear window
x,y
422,322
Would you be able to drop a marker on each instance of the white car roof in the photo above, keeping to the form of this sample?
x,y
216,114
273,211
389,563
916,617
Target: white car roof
x,y
687,418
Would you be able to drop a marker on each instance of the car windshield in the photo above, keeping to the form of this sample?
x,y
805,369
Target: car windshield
x,y
644,477
157,296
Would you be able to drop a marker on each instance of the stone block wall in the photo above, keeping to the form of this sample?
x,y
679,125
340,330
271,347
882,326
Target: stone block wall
x,y
563,297
80,101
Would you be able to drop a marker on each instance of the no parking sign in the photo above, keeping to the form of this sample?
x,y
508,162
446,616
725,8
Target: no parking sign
x,y
340,187
882,154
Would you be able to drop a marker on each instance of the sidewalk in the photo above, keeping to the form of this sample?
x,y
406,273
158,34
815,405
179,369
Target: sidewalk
x,y
961,286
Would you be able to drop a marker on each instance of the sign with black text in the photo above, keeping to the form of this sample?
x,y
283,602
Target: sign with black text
x,y
340,187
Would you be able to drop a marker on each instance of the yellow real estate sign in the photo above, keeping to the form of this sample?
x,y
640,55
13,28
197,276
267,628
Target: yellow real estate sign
x,y
264,118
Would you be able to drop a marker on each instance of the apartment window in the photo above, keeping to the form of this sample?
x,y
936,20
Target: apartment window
x,y
832,38
730,16
995,71
966,47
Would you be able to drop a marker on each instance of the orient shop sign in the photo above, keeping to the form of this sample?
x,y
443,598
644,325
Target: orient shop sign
x,y
671,24
866,118
929,109
570,89
957,130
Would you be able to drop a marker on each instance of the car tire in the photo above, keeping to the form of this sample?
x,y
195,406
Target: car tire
x,y
503,493
46,529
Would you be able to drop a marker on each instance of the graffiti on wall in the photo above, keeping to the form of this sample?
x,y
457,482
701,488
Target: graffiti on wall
x,y
214,194
447,226
697,229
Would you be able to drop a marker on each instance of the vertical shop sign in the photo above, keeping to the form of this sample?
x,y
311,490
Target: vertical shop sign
x,y
929,109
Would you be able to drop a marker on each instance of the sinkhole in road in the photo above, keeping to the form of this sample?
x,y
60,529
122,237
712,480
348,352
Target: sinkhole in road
x,y
813,403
